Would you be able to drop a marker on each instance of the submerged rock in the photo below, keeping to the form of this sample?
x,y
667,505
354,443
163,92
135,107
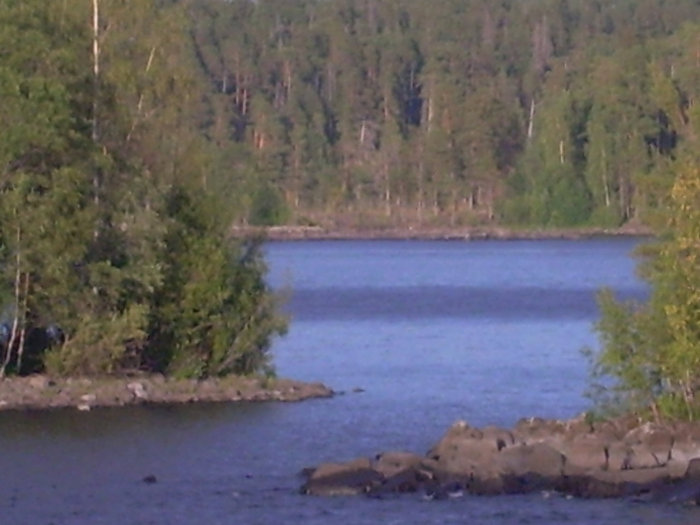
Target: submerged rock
x,y
341,479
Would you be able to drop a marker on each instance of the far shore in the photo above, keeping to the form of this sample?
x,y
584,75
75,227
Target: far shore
x,y
40,392
298,233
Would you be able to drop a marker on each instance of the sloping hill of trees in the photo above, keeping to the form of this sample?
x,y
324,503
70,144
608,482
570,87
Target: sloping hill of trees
x,y
402,112
135,134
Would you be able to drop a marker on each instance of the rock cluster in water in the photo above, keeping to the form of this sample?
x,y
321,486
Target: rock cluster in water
x,y
616,458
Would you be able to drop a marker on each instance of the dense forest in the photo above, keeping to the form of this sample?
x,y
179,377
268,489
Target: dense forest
x,y
455,112
372,113
136,134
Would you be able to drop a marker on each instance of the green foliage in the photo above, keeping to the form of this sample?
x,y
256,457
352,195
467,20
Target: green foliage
x,y
650,356
464,112
101,345
268,207
117,190
107,226
215,314
629,334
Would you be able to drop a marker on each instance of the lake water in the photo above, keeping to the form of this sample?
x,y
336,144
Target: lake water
x,y
431,332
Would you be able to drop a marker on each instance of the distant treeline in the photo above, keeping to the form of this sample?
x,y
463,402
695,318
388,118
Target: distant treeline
x,y
450,112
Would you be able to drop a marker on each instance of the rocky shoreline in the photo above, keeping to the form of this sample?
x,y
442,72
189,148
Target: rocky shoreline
x,y
40,392
575,458
297,233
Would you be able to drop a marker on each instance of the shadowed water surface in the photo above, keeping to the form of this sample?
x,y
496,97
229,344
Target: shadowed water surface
x,y
415,303
432,331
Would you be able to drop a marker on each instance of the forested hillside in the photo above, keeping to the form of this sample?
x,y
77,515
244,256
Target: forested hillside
x,y
452,112
373,113
136,134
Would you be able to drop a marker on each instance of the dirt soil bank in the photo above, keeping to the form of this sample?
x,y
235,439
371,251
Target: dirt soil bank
x,y
42,392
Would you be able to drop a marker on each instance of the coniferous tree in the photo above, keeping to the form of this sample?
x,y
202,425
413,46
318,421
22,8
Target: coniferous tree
x,y
107,223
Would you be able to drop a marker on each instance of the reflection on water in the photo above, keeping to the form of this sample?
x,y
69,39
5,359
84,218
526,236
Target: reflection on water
x,y
431,331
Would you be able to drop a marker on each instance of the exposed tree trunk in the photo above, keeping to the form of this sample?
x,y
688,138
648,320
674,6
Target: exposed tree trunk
x,y
95,103
531,119
605,177
288,80
421,186
139,104
95,67
387,190
23,326
18,291
428,111
330,85
561,152
238,80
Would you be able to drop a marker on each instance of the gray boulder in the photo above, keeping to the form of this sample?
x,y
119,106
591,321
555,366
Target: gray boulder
x,y
535,429
616,458
528,468
686,443
464,453
614,484
342,479
650,446
389,464
586,451
499,437
538,458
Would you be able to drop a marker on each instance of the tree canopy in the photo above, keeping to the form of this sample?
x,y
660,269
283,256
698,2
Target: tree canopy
x,y
456,112
111,245
135,134
387,113
650,355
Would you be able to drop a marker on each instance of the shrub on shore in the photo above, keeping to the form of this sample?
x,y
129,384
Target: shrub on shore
x,y
108,228
650,356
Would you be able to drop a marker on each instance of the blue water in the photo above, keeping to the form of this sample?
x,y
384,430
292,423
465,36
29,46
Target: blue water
x,y
448,328
430,331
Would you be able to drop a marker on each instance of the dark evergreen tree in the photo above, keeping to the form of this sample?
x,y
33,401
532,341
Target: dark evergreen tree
x,y
108,228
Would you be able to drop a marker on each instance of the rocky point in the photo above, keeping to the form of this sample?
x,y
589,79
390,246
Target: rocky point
x,y
624,457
